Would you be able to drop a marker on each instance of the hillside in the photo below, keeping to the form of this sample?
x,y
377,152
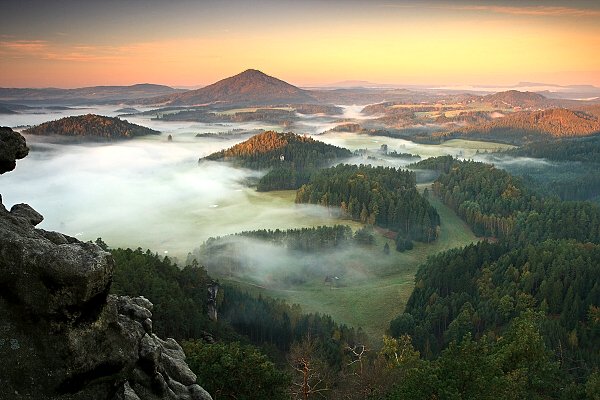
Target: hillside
x,y
91,126
554,123
515,98
251,87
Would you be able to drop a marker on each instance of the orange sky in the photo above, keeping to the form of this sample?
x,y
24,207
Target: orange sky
x,y
192,43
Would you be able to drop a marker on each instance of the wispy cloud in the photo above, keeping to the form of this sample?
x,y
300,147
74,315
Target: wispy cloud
x,y
84,53
46,50
536,11
23,46
540,11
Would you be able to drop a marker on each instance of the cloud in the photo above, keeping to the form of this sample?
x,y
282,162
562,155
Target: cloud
x,y
82,52
536,11
20,48
540,11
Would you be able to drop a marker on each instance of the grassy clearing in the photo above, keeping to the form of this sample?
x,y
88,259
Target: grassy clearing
x,y
376,286
253,109
477,145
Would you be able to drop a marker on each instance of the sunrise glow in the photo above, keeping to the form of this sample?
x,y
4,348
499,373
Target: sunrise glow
x,y
197,43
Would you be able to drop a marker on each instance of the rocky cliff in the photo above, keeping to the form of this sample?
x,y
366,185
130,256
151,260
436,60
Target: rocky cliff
x,y
62,336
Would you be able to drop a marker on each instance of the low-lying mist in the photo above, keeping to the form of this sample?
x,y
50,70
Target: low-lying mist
x,y
152,193
147,192
274,266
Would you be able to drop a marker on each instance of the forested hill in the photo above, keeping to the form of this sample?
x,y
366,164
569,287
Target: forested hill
x,y
91,126
516,98
270,149
292,158
528,125
507,324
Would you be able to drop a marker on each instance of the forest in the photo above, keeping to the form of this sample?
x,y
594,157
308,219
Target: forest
x,y
585,150
529,126
568,169
253,335
380,196
496,204
513,316
539,268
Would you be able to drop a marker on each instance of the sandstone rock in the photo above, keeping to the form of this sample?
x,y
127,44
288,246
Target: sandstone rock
x,y
12,148
63,337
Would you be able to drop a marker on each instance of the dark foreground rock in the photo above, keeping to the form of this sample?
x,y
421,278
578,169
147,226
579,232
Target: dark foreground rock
x,y
12,148
62,336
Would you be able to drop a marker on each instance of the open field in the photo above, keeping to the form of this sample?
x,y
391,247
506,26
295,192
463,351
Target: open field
x,y
371,299
450,110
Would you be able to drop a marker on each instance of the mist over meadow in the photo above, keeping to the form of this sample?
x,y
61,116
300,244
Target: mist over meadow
x,y
153,193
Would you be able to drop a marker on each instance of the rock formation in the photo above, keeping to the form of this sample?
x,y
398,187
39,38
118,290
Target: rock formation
x,y
213,289
62,336
12,148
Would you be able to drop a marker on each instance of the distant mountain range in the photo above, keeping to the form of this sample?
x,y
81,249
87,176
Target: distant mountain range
x,y
86,95
251,87
255,88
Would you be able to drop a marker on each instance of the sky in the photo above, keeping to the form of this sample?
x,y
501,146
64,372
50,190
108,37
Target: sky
x,y
184,43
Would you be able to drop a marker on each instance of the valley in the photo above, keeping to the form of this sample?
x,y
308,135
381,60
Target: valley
x,y
300,200
210,190
375,286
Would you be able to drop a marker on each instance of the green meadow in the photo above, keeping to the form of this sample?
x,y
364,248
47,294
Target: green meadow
x,y
373,287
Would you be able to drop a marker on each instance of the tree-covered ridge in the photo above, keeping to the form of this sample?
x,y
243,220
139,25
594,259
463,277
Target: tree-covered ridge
x,y
527,125
547,262
496,204
586,150
91,125
440,163
381,196
517,365
480,289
